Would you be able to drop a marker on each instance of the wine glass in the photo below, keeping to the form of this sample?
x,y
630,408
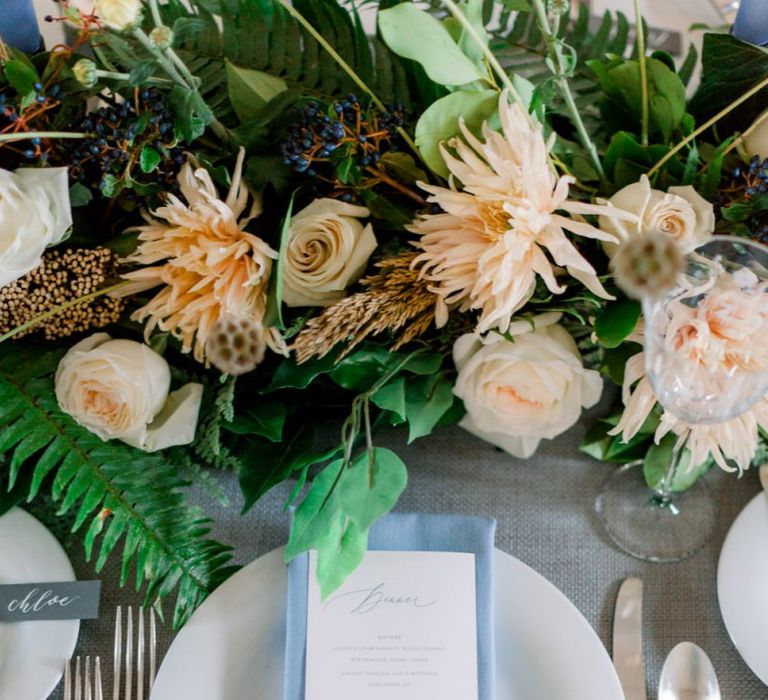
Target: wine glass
x,y
707,361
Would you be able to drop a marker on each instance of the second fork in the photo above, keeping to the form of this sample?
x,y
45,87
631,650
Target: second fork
x,y
130,652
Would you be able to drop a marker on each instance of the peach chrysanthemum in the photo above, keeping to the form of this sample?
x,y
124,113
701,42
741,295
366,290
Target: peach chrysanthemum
x,y
208,265
720,332
735,440
491,240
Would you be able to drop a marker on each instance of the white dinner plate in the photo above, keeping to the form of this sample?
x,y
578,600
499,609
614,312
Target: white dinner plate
x,y
742,584
232,648
32,654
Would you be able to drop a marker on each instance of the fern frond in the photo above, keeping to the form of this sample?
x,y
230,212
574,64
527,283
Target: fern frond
x,y
116,494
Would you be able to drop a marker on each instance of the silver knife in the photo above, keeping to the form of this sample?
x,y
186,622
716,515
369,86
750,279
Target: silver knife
x,y
628,639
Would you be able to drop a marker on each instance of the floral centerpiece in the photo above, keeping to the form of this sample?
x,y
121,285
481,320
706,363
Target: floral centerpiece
x,y
225,221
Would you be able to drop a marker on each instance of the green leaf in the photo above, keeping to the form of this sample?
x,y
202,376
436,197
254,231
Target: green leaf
x,y
79,195
370,487
263,465
338,556
403,167
391,397
441,121
617,320
149,159
314,516
250,90
265,419
657,461
623,89
415,34
141,72
426,401
122,494
516,5
21,76
289,375
189,124
730,68
274,314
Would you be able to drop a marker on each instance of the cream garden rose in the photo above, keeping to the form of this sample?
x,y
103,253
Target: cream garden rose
x,y
119,389
119,14
680,213
328,249
756,140
520,391
34,213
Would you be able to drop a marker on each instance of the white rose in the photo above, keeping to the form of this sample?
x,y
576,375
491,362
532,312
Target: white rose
x,y
680,213
119,389
328,249
34,213
755,143
519,391
119,14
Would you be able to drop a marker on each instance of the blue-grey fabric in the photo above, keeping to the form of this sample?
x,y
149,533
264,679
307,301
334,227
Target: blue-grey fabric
x,y
752,22
406,532
18,25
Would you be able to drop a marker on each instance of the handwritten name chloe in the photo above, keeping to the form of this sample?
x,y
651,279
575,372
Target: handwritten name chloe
x,y
367,600
37,600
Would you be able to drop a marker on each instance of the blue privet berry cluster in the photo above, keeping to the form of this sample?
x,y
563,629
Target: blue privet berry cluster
x,y
341,142
742,186
131,145
28,115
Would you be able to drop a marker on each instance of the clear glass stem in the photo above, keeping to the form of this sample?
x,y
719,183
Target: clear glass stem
x,y
662,494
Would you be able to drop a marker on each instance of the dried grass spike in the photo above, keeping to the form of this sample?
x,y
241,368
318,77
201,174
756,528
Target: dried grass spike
x,y
396,298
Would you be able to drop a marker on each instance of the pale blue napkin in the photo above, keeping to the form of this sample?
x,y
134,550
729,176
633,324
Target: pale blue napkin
x,y
752,22
405,532
18,25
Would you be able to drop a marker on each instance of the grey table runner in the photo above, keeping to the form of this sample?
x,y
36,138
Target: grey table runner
x,y
544,508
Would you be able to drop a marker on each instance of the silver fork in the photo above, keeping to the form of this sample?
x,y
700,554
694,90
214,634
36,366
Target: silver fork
x,y
130,652
87,684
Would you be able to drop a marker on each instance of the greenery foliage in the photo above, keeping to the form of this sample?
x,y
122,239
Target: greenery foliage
x,y
122,499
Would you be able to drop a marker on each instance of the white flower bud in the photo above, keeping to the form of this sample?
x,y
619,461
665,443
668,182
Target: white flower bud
x,y
119,14
161,38
85,73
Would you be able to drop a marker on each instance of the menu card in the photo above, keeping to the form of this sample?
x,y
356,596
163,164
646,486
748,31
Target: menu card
x,y
402,627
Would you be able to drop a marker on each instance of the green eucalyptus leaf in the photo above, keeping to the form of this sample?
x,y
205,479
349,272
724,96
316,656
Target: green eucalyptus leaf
x,y
316,513
370,487
473,11
413,33
441,121
427,399
391,397
617,321
339,555
250,90
657,461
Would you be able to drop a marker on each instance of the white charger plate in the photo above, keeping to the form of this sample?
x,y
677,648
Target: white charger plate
x,y
233,646
742,584
32,654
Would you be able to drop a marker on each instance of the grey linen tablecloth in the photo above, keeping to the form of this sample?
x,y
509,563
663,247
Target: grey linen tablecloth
x,y
544,508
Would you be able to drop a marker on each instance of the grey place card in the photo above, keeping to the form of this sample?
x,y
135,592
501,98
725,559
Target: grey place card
x,y
68,600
